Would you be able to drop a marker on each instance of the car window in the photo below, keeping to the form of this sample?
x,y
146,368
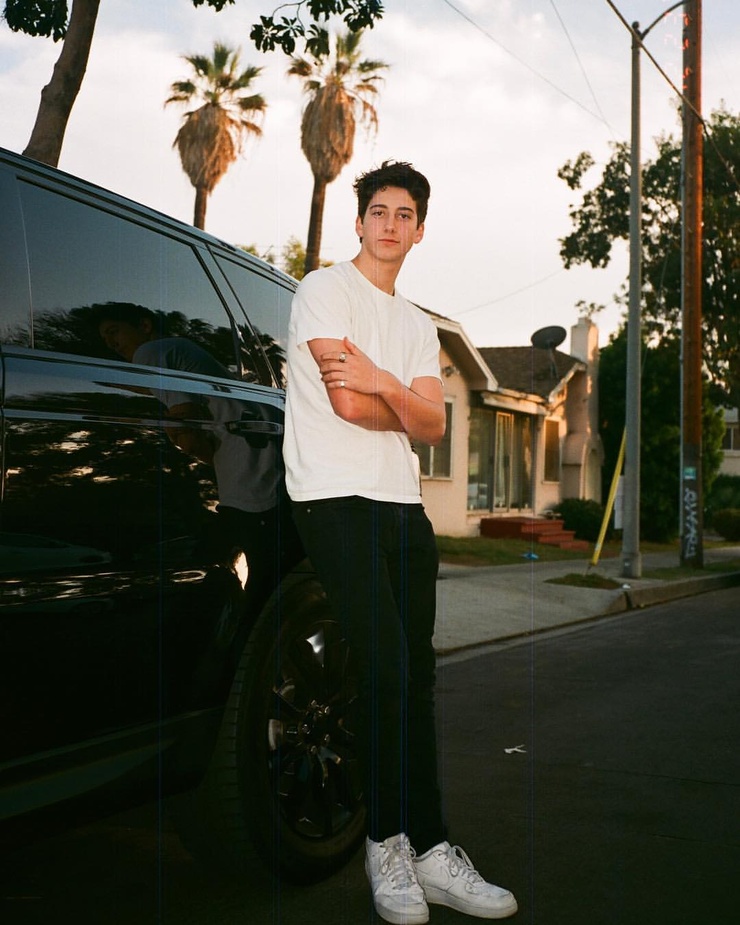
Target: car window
x,y
266,303
82,257
15,316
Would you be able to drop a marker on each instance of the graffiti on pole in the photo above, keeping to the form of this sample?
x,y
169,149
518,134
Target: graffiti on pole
x,y
691,522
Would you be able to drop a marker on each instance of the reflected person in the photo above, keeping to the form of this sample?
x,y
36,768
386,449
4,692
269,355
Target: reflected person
x,y
248,473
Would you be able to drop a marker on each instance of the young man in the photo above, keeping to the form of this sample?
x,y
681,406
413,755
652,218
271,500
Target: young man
x,y
363,383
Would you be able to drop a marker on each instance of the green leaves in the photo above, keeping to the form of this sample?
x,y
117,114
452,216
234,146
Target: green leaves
x,y
660,431
573,171
601,218
50,18
269,34
38,17
216,4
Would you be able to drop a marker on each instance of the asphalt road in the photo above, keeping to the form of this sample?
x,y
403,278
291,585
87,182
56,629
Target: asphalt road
x,y
620,804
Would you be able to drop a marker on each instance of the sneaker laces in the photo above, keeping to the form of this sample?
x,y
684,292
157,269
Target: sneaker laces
x,y
461,865
397,864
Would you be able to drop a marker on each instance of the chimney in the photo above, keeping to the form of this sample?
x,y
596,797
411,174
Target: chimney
x,y
584,342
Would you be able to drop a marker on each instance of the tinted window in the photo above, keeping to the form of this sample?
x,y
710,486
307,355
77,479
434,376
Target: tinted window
x,y
15,308
82,256
267,305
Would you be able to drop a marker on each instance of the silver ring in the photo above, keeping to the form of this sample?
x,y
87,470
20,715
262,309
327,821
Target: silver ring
x,y
342,357
341,383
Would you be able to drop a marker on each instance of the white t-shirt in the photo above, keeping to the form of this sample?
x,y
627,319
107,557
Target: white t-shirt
x,y
325,456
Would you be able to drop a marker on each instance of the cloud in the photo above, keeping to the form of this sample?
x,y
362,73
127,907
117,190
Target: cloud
x,y
489,118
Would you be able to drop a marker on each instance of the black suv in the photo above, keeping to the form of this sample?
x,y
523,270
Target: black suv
x,y
162,633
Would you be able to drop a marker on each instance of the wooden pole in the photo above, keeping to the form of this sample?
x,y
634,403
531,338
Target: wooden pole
x,y
692,553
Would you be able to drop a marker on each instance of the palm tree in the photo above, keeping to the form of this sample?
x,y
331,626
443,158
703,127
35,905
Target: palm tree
x,y
212,136
340,88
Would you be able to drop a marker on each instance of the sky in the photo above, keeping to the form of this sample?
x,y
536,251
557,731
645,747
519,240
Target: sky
x,y
488,98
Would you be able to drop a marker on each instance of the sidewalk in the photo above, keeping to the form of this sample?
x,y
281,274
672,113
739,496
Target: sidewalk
x,y
478,605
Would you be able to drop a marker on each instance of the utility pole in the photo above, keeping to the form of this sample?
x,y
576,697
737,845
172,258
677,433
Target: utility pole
x,y
631,556
692,552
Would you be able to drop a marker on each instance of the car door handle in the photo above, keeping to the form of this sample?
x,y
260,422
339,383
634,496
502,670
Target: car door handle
x,y
245,428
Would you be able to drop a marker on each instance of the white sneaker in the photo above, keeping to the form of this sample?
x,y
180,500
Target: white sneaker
x,y
448,878
397,896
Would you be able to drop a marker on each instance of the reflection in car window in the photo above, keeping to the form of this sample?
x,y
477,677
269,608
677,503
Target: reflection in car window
x,y
15,316
247,474
81,256
267,305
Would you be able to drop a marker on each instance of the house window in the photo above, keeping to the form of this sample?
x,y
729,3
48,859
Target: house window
x,y
521,473
436,461
502,460
480,460
731,439
552,451
499,461
512,484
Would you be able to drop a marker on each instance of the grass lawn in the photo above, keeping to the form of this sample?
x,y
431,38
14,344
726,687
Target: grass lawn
x,y
480,550
589,580
677,571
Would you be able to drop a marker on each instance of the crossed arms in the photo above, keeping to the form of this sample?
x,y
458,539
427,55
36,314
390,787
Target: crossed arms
x,y
362,393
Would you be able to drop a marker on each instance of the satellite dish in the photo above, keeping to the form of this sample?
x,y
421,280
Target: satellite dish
x,y
548,339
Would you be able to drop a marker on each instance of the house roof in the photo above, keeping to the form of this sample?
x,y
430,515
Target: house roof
x,y
463,353
530,369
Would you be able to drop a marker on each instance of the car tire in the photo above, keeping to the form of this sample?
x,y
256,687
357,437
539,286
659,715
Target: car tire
x,y
283,783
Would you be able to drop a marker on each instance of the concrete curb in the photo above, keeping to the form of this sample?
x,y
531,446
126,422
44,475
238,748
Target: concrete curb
x,y
625,601
671,591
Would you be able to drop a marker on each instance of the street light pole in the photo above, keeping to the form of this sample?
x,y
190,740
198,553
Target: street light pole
x,y
631,555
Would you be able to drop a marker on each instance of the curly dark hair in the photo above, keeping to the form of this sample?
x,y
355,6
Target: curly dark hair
x,y
393,173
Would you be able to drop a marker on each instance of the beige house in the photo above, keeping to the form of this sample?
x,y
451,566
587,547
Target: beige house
x,y
522,430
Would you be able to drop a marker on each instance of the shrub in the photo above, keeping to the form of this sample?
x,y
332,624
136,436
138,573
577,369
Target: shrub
x,y
582,516
724,493
727,523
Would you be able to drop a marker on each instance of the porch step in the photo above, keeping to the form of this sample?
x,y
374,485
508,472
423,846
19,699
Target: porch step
x,y
507,527
564,540
537,529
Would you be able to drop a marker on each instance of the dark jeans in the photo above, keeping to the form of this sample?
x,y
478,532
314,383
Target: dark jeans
x,y
378,564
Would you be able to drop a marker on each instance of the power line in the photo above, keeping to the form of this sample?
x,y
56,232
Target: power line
x,y
643,47
583,69
523,63
600,117
684,101
509,295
